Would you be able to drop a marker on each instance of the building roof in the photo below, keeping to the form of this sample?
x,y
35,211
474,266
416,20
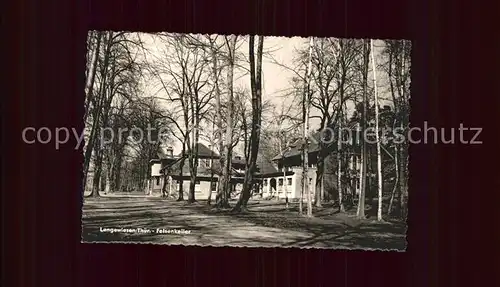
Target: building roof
x,y
295,148
265,166
204,152
201,170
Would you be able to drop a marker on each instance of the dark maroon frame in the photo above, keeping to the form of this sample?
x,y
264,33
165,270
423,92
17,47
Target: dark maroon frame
x,y
450,185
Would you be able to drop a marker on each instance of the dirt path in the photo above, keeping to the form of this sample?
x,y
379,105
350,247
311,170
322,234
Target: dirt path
x,y
155,220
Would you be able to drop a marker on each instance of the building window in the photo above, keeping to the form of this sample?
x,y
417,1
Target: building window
x,y
265,182
280,182
213,186
197,182
157,180
289,181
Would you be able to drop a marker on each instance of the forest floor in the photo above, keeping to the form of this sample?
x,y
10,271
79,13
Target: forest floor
x,y
266,224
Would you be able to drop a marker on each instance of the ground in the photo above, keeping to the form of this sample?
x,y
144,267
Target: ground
x,y
266,224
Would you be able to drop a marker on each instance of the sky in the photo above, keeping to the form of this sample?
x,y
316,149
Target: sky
x,y
276,79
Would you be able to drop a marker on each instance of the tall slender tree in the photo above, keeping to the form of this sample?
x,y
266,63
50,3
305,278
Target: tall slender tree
x,y
305,144
225,183
256,89
377,133
364,117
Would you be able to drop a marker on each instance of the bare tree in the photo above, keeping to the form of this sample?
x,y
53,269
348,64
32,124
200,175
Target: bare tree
x,y
225,183
278,133
325,62
222,201
186,71
148,116
97,106
115,150
397,68
364,153
256,88
92,69
223,55
118,68
285,137
307,102
347,55
377,134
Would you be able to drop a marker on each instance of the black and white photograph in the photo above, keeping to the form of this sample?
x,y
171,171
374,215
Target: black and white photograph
x,y
246,141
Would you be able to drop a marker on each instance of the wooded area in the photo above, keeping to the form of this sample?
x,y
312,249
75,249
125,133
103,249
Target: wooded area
x,y
185,89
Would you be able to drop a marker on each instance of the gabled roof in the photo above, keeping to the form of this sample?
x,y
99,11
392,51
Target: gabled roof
x,y
204,152
295,148
201,170
265,166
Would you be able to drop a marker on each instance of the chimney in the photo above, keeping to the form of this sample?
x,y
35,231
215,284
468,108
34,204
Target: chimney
x,y
170,151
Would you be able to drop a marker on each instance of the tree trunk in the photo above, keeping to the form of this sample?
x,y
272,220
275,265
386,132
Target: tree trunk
x,y
91,76
105,111
99,149
303,178
192,145
97,110
193,161
225,184
352,181
339,163
192,185
209,201
256,87
305,166
164,185
362,192
318,195
397,60
397,162
218,115
107,188
181,174
320,173
226,175
92,139
285,190
377,134
340,119
112,173
96,184
404,185
396,182
404,149
117,184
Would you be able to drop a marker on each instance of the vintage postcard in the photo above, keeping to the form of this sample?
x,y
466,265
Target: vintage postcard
x,y
248,141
